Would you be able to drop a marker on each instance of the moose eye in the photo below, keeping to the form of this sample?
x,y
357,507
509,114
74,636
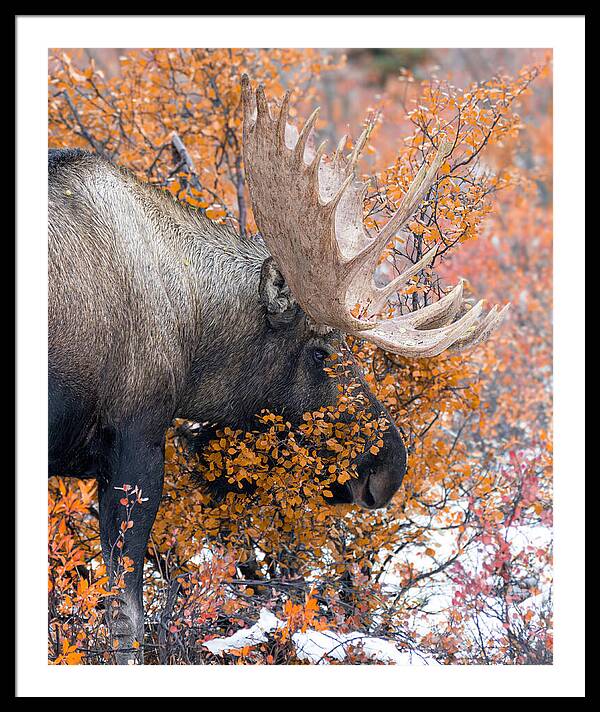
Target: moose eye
x,y
319,355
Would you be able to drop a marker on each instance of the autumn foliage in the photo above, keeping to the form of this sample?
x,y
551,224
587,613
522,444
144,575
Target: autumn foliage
x,y
457,569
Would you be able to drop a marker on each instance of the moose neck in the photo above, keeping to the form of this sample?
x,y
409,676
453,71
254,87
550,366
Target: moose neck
x,y
222,271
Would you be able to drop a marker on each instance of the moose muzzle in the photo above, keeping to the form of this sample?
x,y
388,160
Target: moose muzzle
x,y
380,475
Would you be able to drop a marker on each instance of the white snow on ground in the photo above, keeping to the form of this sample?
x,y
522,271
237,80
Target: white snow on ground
x,y
315,646
267,623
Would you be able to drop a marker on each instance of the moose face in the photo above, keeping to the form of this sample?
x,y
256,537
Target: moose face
x,y
290,366
304,381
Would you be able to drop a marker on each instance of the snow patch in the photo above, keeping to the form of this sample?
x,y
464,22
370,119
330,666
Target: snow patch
x,y
317,646
267,623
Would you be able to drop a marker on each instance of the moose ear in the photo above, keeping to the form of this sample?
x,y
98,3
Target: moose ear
x,y
274,293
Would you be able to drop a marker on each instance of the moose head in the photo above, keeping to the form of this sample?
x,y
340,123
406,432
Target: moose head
x,y
318,283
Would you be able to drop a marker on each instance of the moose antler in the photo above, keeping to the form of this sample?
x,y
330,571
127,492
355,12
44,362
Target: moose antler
x,y
309,210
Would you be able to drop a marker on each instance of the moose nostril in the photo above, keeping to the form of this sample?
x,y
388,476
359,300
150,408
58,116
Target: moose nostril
x,y
380,487
368,499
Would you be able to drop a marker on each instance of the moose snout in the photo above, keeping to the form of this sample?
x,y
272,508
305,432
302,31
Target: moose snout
x,y
377,488
380,475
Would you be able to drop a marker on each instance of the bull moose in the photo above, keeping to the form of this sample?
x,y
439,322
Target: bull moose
x,y
157,312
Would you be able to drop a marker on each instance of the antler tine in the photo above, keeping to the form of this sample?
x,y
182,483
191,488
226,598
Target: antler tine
x,y
397,336
283,117
309,211
248,101
339,151
383,293
300,147
436,315
483,330
262,106
360,144
316,160
415,195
